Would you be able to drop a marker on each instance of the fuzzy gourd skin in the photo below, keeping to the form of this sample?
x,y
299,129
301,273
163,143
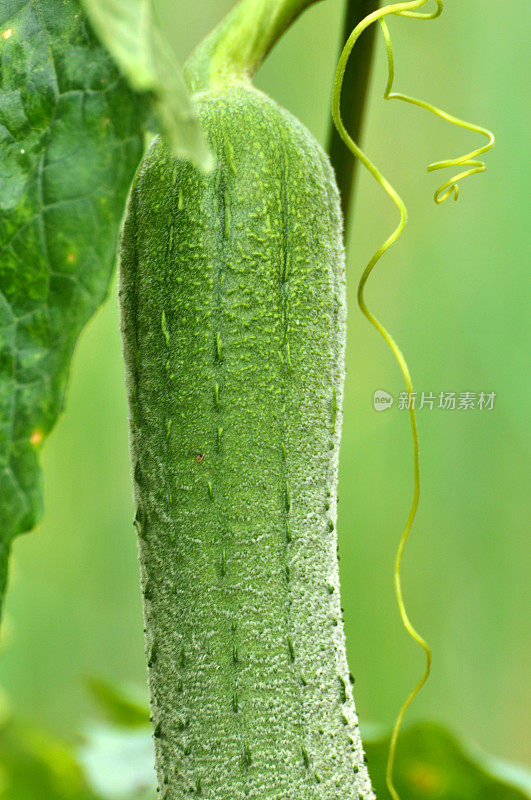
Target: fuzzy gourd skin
x,y
233,315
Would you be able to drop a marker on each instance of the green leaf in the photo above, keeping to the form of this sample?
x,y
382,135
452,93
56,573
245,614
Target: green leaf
x,y
431,764
133,34
123,706
70,140
37,766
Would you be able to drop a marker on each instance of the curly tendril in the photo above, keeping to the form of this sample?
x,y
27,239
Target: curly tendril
x,y
451,187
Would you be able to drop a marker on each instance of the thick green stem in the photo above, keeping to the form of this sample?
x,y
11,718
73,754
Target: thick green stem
x,y
354,93
238,45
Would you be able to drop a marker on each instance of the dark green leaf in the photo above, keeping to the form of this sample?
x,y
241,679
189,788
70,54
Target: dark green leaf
x,y
70,141
432,765
132,31
122,706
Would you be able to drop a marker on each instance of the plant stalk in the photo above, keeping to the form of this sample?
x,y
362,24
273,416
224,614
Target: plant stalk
x,y
238,45
355,87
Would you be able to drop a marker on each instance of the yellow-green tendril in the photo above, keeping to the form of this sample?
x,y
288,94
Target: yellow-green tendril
x,y
451,187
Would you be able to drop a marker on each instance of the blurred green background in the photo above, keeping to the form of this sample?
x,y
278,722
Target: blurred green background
x,y
454,293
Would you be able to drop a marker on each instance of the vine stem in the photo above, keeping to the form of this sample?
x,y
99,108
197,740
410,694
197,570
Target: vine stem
x,y
355,89
450,188
238,45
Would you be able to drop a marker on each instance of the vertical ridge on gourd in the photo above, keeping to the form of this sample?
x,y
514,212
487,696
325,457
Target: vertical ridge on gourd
x,y
233,316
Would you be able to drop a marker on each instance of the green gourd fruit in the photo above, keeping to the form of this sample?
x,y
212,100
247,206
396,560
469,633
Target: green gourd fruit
x,y
233,316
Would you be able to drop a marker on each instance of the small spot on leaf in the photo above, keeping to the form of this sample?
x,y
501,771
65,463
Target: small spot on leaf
x,y
36,438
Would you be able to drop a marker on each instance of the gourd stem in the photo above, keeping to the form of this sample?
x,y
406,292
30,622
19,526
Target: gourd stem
x,y
355,86
238,45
